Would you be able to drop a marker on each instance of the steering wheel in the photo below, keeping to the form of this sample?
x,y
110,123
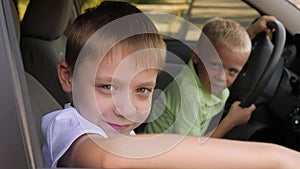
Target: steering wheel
x,y
260,66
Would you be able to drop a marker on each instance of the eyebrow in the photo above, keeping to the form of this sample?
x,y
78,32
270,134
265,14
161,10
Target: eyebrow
x,y
109,79
147,83
234,69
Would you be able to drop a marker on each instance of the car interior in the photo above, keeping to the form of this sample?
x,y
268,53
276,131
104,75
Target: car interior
x,y
23,137
39,49
43,43
42,46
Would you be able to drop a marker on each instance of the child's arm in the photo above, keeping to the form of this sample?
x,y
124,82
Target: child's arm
x,y
260,25
236,116
190,152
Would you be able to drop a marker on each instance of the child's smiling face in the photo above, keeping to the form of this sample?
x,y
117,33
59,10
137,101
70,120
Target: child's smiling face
x,y
219,71
122,92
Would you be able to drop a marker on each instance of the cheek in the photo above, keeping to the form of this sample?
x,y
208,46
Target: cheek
x,y
203,74
142,105
204,78
104,103
143,108
230,80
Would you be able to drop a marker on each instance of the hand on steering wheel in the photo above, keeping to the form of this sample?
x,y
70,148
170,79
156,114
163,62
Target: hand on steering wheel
x,y
260,66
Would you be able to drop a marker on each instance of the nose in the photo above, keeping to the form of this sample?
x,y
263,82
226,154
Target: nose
x,y
221,76
124,106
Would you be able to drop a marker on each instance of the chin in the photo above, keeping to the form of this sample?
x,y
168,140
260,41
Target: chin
x,y
217,90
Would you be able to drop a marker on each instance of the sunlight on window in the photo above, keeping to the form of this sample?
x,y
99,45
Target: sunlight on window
x,y
22,5
295,2
196,12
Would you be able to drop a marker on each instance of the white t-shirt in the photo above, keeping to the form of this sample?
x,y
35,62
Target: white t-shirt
x,y
60,129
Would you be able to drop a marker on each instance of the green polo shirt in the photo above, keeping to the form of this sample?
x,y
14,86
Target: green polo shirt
x,y
185,106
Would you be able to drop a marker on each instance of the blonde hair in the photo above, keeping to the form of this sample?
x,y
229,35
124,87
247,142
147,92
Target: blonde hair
x,y
150,47
228,33
111,26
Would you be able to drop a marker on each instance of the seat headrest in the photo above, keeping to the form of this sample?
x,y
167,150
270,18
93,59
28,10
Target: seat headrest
x,y
46,19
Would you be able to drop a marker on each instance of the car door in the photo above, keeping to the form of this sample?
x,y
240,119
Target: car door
x,y
19,146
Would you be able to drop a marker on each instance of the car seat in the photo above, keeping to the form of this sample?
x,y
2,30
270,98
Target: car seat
x,y
41,101
43,42
178,55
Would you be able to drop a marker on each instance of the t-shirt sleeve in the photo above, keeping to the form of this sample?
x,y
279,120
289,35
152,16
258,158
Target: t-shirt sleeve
x,y
60,130
60,133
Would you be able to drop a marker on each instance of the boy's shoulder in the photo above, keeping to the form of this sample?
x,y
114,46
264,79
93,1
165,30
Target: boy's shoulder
x,y
67,113
68,109
69,118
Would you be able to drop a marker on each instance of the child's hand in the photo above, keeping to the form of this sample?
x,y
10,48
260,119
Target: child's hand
x,y
260,25
238,115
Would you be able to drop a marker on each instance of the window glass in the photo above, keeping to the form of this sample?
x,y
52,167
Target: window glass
x,y
194,11
22,5
295,2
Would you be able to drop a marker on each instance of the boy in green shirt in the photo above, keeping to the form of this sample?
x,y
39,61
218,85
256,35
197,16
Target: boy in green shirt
x,y
200,90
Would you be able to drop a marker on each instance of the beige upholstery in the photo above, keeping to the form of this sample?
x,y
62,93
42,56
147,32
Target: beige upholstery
x,y
41,101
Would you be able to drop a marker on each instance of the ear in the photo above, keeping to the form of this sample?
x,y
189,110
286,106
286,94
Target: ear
x,y
64,76
194,57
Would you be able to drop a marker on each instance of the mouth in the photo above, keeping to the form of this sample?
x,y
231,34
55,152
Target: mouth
x,y
215,83
220,86
119,127
216,88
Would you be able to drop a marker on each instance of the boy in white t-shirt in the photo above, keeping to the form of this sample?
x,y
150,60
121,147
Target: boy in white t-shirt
x,y
113,56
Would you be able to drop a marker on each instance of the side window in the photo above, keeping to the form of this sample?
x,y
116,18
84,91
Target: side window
x,y
22,6
237,10
194,11
88,4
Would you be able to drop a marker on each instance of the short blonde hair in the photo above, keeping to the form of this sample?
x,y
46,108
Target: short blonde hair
x,y
106,27
151,46
228,33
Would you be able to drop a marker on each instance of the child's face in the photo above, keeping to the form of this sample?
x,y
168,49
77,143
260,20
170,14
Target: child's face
x,y
123,94
221,76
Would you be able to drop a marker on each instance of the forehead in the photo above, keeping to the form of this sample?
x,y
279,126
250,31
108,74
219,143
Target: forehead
x,y
121,63
119,57
120,72
135,57
232,58
220,54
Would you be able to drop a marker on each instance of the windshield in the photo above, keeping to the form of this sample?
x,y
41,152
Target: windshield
x,y
193,11
295,2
